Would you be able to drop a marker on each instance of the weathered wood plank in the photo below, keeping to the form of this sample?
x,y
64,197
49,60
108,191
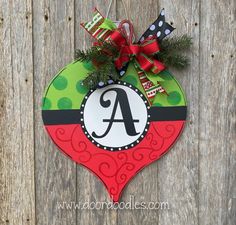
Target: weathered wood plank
x,y
144,185
197,177
174,178
53,27
217,149
178,170
89,188
17,194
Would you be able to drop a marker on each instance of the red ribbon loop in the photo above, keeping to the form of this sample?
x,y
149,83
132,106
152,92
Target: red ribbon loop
x,y
143,53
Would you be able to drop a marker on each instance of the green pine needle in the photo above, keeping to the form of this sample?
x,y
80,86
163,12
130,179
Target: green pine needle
x,y
103,73
179,43
177,61
105,54
101,53
171,49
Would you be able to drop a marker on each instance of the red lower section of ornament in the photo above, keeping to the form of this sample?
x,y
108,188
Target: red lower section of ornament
x,y
116,169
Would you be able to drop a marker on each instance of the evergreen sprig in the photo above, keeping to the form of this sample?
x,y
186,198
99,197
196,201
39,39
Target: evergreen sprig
x,y
104,54
101,53
170,48
179,43
174,60
101,74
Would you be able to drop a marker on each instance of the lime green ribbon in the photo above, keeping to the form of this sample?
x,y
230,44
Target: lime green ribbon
x,y
108,25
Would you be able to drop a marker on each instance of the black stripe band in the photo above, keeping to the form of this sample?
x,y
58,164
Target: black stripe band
x,y
73,116
168,113
56,117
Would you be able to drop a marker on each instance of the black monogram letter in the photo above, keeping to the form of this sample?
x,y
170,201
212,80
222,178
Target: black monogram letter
x,y
122,100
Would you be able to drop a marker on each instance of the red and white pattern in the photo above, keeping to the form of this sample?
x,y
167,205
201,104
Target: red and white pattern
x,y
116,169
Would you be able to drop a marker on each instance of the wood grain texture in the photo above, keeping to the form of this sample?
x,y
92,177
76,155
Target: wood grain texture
x,y
197,177
144,186
17,202
217,148
53,27
178,170
89,187
174,178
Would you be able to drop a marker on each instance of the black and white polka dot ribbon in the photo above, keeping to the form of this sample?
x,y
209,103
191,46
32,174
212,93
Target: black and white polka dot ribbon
x,y
159,29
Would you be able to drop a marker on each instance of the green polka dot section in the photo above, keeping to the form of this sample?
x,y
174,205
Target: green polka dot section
x,y
88,65
174,98
157,104
80,88
165,75
130,79
46,104
60,83
64,103
66,91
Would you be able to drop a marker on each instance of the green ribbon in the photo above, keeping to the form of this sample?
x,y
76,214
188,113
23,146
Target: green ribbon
x,y
108,25
154,78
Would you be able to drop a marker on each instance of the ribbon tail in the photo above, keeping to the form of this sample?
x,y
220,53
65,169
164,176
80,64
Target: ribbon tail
x,y
159,29
150,89
95,27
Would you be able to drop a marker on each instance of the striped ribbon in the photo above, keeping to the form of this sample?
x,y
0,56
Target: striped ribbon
x,y
94,28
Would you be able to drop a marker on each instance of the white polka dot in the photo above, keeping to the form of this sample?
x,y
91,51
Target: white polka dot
x,y
110,81
162,12
142,39
160,23
150,36
101,83
122,72
158,33
153,27
167,31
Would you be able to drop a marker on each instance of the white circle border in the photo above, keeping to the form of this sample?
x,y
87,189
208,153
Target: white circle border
x,y
125,147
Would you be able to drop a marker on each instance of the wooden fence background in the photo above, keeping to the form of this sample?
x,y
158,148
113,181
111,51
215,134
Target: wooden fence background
x,y
197,177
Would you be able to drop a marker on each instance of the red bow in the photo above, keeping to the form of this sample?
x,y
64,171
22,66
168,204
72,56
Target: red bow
x,y
143,53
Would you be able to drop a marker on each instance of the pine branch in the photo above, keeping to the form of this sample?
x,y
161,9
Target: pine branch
x,y
177,61
104,54
102,74
181,43
171,49
101,53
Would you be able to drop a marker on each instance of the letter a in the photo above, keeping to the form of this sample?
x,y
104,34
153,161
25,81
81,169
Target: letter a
x,y
122,100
